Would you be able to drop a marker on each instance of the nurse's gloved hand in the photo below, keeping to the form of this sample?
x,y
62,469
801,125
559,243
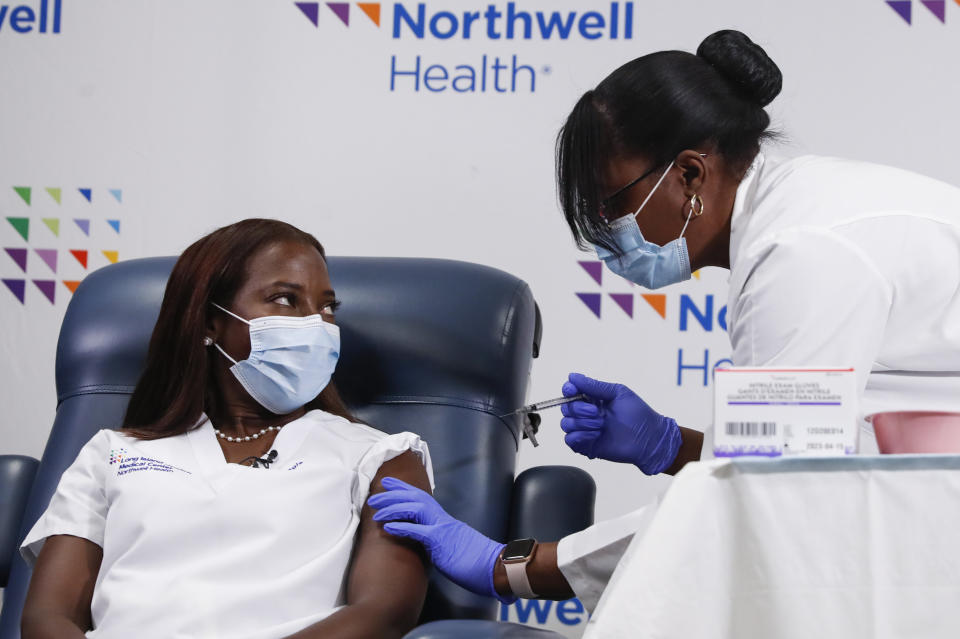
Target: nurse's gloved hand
x,y
464,555
615,424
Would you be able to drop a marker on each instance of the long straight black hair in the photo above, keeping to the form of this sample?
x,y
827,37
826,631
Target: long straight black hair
x,y
176,386
656,106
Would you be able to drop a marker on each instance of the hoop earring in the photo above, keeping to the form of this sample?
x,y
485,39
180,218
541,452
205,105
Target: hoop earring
x,y
694,201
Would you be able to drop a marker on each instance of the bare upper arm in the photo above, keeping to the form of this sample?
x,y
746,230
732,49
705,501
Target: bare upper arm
x,y
63,580
379,554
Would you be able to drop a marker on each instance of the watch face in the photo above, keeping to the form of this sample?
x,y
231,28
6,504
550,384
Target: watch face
x,y
518,549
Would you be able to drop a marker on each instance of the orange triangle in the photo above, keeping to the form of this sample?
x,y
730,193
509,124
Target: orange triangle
x,y
72,285
372,9
80,255
696,274
657,303
113,256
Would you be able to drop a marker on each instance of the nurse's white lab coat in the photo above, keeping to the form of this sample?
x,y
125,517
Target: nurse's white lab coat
x,y
836,263
196,547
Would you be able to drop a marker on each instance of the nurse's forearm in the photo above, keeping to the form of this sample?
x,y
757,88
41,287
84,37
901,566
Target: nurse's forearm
x,y
49,627
542,571
690,447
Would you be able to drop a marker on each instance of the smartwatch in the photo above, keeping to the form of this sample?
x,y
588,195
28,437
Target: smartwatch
x,y
515,557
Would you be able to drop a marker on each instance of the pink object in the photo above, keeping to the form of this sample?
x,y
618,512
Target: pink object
x,y
917,432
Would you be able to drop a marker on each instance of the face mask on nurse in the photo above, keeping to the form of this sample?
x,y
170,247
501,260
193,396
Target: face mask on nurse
x,y
291,359
642,262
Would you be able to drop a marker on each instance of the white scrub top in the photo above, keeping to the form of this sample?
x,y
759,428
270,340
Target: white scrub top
x,y
196,547
842,263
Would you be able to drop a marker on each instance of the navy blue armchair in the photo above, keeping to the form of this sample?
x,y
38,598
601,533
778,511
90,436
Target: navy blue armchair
x,y
437,347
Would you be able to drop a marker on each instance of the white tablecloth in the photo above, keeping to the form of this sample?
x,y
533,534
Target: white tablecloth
x,y
795,548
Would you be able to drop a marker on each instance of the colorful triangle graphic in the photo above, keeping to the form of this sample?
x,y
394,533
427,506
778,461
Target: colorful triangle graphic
x,y
18,255
24,193
21,225
49,257
71,285
48,288
592,300
113,256
937,8
342,9
55,193
311,10
624,301
657,303
87,194
84,226
115,224
594,269
81,256
696,274
53,223
117,195
17,287
372,9
904,9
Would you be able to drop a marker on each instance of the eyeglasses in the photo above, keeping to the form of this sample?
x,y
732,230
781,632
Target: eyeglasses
x,y
605,204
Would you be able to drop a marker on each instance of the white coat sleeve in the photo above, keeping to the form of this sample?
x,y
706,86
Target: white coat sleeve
x,y
589,558
813,299
79,505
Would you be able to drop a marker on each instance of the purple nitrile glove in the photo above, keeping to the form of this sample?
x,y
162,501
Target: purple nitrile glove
x,y
615,424
462,554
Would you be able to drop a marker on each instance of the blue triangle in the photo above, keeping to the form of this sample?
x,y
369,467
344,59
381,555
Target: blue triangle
x,y
904,9
115,224
87,193
117,193
84,226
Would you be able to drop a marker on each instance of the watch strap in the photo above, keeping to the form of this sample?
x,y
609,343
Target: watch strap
x,y
517,578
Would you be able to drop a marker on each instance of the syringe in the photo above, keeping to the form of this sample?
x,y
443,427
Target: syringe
x,y
550,403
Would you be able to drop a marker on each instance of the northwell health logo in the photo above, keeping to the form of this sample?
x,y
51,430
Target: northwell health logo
x,y
487,25
45,16
904,8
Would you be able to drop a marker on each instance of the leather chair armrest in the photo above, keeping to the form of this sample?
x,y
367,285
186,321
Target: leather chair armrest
x,y
16,479
551,502
477,629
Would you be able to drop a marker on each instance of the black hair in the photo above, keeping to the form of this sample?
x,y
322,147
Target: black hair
x,y
657,106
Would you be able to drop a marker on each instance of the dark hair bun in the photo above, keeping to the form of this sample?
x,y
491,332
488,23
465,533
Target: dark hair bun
x,y
743,63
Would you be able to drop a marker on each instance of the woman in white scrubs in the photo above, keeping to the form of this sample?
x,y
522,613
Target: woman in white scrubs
x,y
832,262
232,501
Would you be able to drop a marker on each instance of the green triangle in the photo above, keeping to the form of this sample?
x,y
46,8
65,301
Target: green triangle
x,y
54,193
22,225
24,192
53,223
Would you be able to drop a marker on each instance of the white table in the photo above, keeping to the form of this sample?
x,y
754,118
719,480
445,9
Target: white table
x,y
808,548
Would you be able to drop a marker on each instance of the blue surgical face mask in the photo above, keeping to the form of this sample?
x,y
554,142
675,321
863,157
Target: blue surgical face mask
x,y
291,360
643,262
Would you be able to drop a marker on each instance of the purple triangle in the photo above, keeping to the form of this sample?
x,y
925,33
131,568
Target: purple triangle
x,y
342,9
624,301
904,9
84,226
49,256
594,269
17,287
47,287
592,300
937,8
19,256
311,10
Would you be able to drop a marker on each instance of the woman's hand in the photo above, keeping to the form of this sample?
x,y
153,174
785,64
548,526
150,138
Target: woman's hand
x,y
462,554
615,424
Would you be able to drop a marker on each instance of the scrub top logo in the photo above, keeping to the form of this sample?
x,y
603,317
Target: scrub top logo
x,y
492,26
116,456
53,237
904,8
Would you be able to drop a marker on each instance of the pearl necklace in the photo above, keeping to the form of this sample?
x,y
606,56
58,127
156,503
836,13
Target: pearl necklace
x,y
246,438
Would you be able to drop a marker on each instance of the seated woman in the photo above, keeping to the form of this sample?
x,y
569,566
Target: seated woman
x,y
232,501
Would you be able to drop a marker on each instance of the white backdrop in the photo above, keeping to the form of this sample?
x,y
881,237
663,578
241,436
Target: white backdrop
x,y
198,114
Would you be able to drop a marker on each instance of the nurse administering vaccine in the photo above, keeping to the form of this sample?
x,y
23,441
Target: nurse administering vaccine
x,y
832,262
